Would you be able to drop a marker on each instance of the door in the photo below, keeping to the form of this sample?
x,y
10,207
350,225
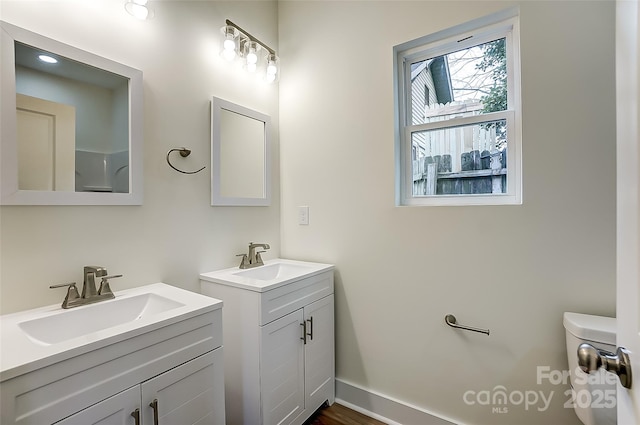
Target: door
x,y
628,201
319,353
187,394
117,410
282,369
46,144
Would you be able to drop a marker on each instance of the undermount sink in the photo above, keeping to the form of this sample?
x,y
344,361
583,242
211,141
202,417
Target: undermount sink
x,y
272,274
96,317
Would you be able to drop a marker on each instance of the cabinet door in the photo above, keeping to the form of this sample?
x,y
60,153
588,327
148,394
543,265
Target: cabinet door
x,y
115,410
319,353
282,369
188,394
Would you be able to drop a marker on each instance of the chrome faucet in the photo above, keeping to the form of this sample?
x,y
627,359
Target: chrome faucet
x,y
253,259
89,285
90,294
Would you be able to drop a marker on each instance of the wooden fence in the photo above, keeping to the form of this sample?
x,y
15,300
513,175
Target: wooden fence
x,y
481,172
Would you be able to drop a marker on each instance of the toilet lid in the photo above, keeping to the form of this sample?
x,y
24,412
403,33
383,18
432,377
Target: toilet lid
x,y
593,328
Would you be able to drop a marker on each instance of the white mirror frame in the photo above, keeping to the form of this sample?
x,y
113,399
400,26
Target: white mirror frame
x,y
217,106
9,192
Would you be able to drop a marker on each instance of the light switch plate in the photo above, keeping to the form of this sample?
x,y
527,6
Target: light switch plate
x,y
303,215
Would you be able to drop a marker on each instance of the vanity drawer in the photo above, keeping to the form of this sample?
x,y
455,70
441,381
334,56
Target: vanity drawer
x,y
288,298
54,392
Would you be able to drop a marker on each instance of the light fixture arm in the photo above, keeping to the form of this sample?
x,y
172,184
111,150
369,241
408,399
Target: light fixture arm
x,y
250,37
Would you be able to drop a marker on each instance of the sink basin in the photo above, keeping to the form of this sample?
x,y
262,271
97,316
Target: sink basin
x,y
85,320
274,271
273,274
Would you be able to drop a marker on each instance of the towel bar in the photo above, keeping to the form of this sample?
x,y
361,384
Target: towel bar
x,y
450,320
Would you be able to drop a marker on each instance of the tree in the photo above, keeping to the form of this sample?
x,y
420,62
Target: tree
x,y
494,60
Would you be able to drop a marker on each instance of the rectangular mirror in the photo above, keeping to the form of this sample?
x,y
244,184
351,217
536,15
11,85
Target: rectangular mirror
x,y
240,155
71,125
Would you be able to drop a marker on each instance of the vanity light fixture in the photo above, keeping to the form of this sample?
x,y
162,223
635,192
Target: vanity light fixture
x,y
238,42
137,8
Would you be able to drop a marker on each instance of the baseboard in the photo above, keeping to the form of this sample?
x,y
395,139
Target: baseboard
x,y
384,408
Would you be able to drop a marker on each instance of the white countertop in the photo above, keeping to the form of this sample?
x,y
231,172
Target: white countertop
x,y
291,271
21,354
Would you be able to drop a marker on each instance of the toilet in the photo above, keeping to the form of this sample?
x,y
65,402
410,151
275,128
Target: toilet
x,y
594,394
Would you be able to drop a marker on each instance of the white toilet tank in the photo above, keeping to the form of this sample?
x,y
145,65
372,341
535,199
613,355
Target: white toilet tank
x,y
594,394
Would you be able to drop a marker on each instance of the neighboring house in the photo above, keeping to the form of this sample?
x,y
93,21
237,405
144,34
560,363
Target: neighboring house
x,y
430,85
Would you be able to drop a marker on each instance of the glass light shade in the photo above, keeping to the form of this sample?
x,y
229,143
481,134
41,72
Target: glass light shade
x,y
272,71
251,52
272,64
229,43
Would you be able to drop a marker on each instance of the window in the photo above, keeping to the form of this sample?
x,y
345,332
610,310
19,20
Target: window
x,y
458,138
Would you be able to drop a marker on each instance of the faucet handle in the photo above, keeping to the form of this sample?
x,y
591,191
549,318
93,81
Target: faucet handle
x,y
72,292
245,261
104,284
259,258
62,285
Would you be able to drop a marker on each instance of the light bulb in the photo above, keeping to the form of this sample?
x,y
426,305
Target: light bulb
x,y
229,44
229,54
47,59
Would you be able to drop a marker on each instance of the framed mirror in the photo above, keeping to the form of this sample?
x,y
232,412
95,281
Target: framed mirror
x,y
71,126
240,155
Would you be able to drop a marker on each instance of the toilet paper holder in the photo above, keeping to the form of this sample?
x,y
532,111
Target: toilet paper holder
x,y
450,320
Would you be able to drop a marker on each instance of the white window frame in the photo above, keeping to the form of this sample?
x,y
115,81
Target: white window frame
x,y
504,24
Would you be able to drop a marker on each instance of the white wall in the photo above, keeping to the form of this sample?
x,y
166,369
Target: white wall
x,y
400,270
176,234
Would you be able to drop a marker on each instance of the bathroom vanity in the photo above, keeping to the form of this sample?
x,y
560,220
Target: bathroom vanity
x,y
153,355
279,340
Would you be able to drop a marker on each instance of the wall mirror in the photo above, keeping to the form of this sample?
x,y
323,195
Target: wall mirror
x,y
71,124
240,155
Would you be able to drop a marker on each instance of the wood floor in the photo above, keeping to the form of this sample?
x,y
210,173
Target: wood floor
x,y
340,415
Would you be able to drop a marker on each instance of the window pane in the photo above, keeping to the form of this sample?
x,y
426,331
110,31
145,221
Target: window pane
x,y
468,82
469,159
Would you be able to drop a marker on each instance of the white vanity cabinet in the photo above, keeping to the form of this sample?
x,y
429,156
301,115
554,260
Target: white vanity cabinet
x,y
279,346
